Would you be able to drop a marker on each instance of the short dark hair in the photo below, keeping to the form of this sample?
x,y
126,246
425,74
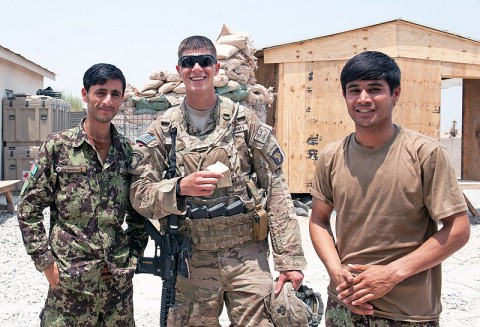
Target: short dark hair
x,y
197,42
101,73
371,65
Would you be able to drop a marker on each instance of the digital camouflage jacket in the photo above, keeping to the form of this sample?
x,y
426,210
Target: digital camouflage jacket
x,y
88,204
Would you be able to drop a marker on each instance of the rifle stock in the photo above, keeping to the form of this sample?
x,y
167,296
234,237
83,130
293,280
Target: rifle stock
x,y
170,259
172,251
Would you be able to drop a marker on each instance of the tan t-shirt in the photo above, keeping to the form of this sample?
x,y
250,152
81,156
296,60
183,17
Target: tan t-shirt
x,y
388,202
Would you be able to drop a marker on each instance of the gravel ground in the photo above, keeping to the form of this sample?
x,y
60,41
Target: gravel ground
x,y
23,289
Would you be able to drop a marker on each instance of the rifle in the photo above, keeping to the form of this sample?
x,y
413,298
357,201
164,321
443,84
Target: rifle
x,y
171,250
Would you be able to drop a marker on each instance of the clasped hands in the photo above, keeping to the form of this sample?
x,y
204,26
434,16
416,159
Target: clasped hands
x,y
359,284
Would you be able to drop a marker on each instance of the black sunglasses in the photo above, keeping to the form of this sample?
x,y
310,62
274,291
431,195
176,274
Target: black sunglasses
x,y
202,60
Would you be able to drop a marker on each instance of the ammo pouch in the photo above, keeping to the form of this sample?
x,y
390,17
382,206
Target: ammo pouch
x,y
260,224
219,232
260,221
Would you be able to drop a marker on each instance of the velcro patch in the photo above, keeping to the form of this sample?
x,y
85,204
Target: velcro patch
x,y
145,139
262,134
71,169
33,170
240,128
277,156
135,159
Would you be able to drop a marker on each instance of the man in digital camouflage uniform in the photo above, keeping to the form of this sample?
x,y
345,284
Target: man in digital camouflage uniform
x,y
81,174
229,261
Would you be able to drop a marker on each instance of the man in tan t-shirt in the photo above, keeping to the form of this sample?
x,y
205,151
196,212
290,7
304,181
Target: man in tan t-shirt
x,y
389,187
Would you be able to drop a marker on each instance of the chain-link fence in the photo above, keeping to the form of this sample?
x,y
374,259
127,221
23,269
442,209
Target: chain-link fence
x,y
132,125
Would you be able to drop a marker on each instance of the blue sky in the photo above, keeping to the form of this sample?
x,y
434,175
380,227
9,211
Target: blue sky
x,y
140,37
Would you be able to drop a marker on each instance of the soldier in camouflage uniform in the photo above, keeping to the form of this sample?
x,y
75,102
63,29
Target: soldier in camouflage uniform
x,y
229,261
81,174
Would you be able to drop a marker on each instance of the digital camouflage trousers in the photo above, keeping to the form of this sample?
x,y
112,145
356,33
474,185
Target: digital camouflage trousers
x,y
110,305
337,315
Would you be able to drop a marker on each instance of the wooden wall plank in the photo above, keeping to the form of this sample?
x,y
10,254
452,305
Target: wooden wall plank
x,y
471,130
397,39
458,70
267,76
419,42
326,117
290,119
419,105
317,116
281,128
336,47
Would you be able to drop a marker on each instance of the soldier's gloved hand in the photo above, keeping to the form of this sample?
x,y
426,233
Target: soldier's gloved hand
x,y
294,276
200,183
51,272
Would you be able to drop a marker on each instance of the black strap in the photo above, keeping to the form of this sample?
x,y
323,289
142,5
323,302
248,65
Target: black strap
x,y
172,159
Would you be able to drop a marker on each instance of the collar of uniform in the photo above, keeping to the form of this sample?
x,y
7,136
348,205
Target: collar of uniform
x,y
81,136
211,123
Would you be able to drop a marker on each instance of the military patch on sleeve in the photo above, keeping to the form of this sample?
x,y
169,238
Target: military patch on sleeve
x,y
240,128
33,170
277,156
135,159
145,139
262,134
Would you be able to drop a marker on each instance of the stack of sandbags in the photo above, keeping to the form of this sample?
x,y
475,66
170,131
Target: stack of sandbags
x,y
235,80
235,53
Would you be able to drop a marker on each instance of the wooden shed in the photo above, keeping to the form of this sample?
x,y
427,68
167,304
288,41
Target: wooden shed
x,y
309,110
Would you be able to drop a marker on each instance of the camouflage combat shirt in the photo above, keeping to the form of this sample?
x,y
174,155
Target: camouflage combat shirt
x,y
88,205
155,197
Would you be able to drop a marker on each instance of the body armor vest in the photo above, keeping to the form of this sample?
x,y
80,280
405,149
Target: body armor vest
x,y
196,153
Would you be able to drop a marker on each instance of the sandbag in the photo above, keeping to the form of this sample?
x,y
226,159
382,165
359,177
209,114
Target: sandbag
x,y
158,75
173,77
151,85
148,93
225,51
231,86
237,95
230,64
238,40
180,89
167,87
220,80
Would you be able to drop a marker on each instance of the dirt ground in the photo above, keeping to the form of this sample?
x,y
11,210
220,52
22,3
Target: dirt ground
x,y
461,280
23,289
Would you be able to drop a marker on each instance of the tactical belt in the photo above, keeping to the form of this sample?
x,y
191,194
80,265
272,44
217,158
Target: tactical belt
x,y
220,232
